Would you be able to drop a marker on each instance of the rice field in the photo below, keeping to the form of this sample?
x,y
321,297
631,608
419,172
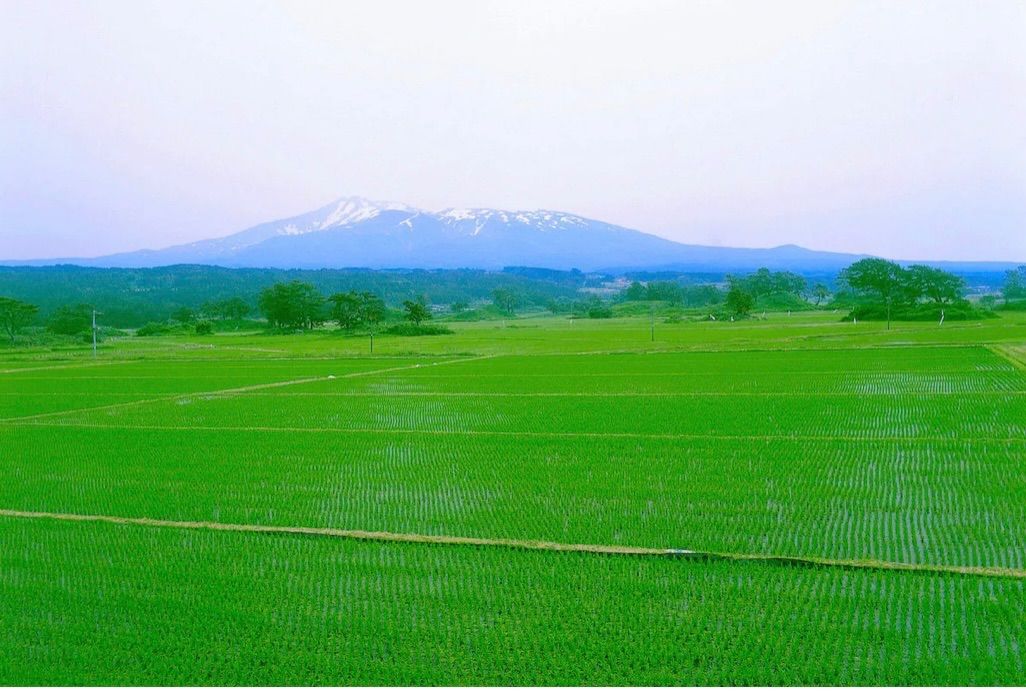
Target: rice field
x,y
897,454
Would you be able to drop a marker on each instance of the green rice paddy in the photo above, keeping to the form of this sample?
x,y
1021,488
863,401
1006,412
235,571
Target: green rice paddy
x,y
794,437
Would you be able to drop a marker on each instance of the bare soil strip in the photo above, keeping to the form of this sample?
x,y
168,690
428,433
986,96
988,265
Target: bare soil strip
x,y
537,545
232,391
27,422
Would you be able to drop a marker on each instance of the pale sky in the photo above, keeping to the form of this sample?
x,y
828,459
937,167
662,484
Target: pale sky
x,y
893,128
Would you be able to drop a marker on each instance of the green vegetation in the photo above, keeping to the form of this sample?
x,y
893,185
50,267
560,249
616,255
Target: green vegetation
x,y
416,311
787,435
418,329
293,305
916,293
15,315
204,608
1015,284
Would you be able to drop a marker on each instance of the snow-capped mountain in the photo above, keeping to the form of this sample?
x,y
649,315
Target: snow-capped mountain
x,y
357,232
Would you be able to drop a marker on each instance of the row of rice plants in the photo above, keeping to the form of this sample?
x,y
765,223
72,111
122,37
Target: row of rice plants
x,y
733,363
970,416
100,604
43,391
451,381
958,503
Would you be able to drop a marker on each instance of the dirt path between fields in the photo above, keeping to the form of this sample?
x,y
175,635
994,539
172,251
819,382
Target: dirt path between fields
x,y
535,545
236,390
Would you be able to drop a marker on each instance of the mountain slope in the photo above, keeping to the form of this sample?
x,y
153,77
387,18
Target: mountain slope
x,y
356,232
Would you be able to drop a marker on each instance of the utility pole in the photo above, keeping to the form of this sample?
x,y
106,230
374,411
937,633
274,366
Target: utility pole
x,y
94,333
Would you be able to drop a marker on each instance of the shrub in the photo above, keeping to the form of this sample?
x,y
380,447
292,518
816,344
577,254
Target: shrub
x,y
921,312
409,329
152,329
204,328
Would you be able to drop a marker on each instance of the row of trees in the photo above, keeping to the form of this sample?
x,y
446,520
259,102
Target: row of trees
x,y
67,320
749,291
674,293
299,305
892,285
232,309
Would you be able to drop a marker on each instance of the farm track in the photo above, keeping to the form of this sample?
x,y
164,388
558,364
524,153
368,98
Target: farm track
x,y
534,545
236,390
27,422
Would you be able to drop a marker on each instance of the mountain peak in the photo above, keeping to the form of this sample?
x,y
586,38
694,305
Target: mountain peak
x,y
348,210
357,231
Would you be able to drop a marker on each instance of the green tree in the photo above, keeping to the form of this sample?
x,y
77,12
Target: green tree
x,y
789,283
878,278
345,309
506,299
667,291
416,311
70,320
15,315
234,308
373,310
759,283
820,292
354,309
293,305
739,301
635,291
1015,284
939,286
183,315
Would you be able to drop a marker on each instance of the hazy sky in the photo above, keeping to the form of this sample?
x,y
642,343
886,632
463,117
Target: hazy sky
x,y
896,128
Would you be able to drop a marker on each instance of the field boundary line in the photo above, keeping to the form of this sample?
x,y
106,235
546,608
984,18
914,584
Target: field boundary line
x,y
615,394
1007,353
533,545
76,365
231,391
670,348
22,422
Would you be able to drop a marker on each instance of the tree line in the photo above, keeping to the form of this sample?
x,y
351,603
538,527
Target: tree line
x,y
870,288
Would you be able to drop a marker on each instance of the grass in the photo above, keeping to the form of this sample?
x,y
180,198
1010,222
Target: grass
x,y
790,437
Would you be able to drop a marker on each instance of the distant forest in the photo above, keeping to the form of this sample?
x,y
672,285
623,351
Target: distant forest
x,y
132,298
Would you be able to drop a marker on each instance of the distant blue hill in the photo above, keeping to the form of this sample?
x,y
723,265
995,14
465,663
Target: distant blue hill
x,y
356,232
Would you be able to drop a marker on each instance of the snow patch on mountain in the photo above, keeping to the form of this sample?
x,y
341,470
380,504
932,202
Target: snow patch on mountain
x,y
350,210
477,220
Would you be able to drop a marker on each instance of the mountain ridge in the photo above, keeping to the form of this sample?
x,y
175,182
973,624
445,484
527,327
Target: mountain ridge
x,y
355,232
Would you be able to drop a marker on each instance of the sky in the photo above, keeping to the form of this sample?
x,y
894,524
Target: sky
x,y
891,128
